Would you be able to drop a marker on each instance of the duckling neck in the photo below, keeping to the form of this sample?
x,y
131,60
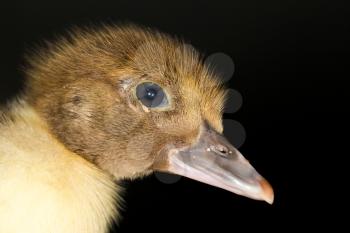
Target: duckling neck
x,y
45,187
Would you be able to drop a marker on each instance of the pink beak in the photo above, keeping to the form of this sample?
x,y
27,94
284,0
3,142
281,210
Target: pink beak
x,y
213,160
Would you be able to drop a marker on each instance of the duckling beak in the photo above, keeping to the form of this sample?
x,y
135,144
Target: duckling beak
x,y
213,160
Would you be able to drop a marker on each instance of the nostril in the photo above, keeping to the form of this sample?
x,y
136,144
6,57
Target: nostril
x,y
221,150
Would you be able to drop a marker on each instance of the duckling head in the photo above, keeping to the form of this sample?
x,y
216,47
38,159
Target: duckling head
x,y
133,101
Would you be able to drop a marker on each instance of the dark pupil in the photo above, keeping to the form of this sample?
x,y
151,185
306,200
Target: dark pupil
x,y
151,93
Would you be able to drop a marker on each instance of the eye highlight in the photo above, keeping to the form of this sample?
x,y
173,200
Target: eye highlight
x,y
151,95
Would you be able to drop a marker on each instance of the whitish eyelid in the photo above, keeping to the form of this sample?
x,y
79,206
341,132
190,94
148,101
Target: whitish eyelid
x,y
129,84
168,95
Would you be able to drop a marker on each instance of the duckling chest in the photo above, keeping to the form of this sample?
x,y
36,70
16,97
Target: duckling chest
x,y
44,188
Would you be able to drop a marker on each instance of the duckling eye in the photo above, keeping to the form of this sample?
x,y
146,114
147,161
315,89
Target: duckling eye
x,y
151,95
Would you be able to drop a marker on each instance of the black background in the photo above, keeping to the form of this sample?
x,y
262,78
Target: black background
x,y
291,59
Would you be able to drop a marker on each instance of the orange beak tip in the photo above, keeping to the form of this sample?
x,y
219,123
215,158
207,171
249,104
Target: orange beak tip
x,y
267,191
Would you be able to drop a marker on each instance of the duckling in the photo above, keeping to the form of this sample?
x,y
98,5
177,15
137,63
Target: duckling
x,y
106,104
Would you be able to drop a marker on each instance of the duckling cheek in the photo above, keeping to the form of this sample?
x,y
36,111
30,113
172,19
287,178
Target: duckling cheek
x,y
140,147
